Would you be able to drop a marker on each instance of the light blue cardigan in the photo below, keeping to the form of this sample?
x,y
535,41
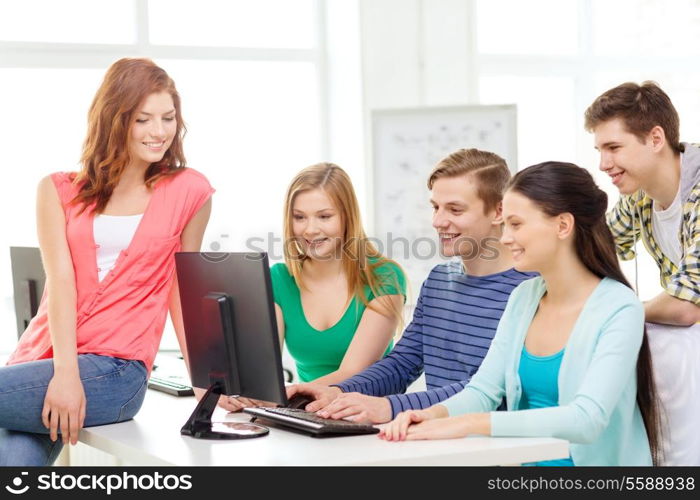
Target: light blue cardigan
x,y
597,409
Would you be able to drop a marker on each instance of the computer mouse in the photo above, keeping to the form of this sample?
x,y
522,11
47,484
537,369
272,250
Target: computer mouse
x,y
299,401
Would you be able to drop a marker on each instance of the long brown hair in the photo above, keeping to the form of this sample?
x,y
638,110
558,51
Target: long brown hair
x,y
105,153
558,187
360,257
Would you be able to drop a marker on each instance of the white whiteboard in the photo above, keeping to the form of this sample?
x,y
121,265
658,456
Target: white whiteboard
x,y
406,145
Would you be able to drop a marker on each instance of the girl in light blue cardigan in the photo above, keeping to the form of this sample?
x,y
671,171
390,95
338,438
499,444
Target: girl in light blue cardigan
x,y
570,354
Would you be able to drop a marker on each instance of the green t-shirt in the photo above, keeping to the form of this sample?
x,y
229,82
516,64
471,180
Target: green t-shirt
x,y
320,352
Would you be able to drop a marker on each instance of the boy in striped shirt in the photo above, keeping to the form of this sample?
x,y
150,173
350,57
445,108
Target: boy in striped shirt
x,y
459,306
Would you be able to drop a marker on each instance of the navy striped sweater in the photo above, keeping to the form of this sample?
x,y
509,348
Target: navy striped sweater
x,y
453,324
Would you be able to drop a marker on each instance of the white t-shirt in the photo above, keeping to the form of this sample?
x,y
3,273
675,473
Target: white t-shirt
x,y
666,227
113,233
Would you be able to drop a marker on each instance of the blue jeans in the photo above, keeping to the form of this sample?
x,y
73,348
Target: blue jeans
x,y
114,390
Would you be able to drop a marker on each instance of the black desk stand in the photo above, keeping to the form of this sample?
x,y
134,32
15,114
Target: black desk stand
x,y
200,426
217,309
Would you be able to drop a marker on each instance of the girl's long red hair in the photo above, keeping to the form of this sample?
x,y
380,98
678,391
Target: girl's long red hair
x,y
105,153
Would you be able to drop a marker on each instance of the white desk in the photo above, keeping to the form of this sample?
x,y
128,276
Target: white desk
x,y
153,438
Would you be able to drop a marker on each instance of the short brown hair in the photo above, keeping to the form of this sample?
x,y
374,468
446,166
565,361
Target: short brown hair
x,y
641,108
489,169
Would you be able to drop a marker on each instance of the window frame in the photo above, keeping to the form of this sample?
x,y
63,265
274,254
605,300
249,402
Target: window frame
x,y
46,55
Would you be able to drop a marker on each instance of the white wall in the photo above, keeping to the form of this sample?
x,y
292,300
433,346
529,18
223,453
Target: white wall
x,y
416,52
426,53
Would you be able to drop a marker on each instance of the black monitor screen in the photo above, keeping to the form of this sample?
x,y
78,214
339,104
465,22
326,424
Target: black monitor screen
x,y
230,325
28,280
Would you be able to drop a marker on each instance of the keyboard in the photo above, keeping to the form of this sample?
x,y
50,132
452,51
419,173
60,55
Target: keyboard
x,y
174,385
170,375
310,422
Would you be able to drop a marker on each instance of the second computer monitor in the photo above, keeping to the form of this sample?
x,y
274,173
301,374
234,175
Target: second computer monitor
x,y
28,280
230,324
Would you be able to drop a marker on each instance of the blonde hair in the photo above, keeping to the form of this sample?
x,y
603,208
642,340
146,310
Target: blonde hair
x,y
489,169
360,257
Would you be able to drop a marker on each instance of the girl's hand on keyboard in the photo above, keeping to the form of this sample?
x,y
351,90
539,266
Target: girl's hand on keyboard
x,y
322,394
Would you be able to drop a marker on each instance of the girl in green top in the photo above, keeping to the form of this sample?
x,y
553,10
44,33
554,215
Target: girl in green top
x,y
338,300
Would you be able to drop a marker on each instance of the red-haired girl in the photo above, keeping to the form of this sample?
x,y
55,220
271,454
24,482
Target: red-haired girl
x,y
108,235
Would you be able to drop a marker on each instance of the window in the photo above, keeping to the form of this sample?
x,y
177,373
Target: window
x,y
250,74
625,28
233,23
250,134
539,35
68,21
41,131
554,57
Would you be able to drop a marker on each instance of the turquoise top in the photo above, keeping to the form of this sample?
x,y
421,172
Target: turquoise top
x,y
597,411
538,376
320,352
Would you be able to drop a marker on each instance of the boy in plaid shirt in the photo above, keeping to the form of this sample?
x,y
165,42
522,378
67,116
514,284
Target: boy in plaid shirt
x,y
636,131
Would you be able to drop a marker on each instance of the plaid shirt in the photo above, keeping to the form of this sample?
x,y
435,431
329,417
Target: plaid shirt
x,y
631,218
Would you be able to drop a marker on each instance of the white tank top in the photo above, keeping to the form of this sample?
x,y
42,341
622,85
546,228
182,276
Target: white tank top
x,y
113,233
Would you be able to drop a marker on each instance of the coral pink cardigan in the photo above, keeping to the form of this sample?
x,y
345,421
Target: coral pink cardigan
x,y
123,315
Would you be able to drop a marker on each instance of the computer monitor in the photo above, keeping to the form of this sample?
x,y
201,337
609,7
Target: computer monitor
x,y
231,335
28,280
